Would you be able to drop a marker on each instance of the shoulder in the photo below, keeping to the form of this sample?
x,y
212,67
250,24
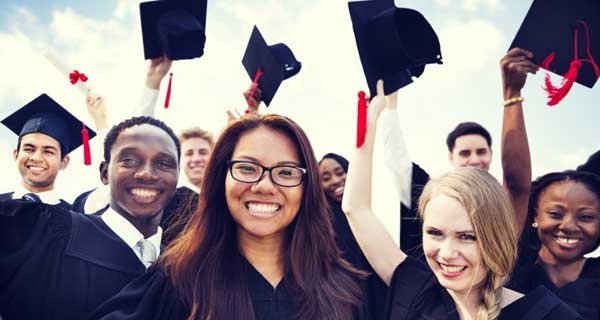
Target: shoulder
x,y
541,304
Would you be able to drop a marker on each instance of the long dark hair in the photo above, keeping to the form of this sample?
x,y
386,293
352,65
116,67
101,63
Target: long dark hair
x,y
204,263
589,180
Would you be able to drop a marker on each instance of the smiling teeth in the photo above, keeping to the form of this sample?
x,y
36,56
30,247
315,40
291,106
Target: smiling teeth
x,y
262,207
566,240
144,193
451,269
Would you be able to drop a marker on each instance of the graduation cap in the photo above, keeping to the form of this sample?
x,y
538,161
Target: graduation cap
x,y
44,115
175,28
564,37
394,44
592,164
268,65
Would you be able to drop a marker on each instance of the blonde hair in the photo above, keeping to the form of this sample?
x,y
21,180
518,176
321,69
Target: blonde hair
x,y
196,132
492,215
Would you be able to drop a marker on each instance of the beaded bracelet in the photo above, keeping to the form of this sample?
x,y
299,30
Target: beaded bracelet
x,y
513,100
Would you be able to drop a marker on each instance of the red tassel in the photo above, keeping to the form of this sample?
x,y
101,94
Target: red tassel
x,y
87,153
257,76
168,97
361,126
556,94
77,76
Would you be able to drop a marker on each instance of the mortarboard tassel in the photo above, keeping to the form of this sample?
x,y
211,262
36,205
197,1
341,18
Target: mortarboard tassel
x,y
168,97
556,94
257,76
87,154
361,125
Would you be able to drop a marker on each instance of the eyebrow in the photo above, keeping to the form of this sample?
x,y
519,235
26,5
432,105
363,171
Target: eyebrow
x,y
43,147
135,150
280,163
457,232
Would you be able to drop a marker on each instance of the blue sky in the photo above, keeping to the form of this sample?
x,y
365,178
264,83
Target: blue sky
x,y
102,38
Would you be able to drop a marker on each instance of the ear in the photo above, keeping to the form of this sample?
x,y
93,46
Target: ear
x,y
104,172
64,162
450,156
16,154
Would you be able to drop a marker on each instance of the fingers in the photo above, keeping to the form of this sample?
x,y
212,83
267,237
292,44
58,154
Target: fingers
x,y
519,52
380,88
525,66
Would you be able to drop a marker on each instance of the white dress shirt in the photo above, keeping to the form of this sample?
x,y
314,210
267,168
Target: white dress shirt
x,y
49,197
128,233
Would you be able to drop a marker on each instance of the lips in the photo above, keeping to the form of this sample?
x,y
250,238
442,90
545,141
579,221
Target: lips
x,y
339,191
36,169
451,271
261,209
144,195
567,242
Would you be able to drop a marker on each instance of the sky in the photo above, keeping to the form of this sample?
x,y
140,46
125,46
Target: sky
x,y
103,40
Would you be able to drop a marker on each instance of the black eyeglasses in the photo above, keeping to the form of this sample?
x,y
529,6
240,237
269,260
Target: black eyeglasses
x,y
250,172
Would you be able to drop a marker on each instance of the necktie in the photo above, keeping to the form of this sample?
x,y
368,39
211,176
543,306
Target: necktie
x,y
146,252
31,197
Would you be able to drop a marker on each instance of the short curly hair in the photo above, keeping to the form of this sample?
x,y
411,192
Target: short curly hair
x,y
116,130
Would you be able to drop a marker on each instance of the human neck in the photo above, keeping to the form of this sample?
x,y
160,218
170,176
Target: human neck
x,y
36,189
147,226
560,272
265,254
467,304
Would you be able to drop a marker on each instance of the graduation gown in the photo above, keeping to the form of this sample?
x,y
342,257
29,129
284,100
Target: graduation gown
x,y
152,297
583,294
415,294
374,288
411,240
57,264
63,204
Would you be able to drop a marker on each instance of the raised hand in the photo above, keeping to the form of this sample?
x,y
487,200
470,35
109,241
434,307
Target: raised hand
x,y
515,66
157,69
96,106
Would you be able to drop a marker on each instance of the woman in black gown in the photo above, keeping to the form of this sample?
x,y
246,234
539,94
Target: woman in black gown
x,y
469,241
260,245
564,225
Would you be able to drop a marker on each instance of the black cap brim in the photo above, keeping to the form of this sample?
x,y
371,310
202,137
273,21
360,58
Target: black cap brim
x,y
188,45
549,27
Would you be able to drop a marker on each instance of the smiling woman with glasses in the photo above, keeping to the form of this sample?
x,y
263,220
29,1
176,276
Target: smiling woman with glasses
x,y
260,246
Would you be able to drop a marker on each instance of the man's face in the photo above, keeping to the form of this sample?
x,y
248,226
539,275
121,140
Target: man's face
x,y
471,150
39,160
195,153
142,172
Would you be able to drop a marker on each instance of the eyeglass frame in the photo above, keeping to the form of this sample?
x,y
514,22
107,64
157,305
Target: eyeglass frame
x,y
230,164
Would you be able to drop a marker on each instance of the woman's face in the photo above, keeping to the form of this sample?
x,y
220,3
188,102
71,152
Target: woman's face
x,y
263,209
333,178
568,218
450,245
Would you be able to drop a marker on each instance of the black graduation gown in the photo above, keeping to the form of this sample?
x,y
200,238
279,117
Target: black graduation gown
x,y
374,288
411,241
415,294
58,264
583,294
175,215
63,204
152,297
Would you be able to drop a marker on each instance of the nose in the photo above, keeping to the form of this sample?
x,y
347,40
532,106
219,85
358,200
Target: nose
x,y
568,224
475,161
36,156
145,173
447,250
264,185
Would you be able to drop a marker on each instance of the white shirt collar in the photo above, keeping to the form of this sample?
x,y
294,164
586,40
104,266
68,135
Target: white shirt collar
x,y
49,197
127,232
186,183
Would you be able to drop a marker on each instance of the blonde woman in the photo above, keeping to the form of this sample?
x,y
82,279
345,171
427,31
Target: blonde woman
x,y
469,241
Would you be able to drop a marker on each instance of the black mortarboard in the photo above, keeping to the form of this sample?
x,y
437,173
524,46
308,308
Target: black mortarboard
x,y
44,115
276,62
551,25
175,28
592,164
394,44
